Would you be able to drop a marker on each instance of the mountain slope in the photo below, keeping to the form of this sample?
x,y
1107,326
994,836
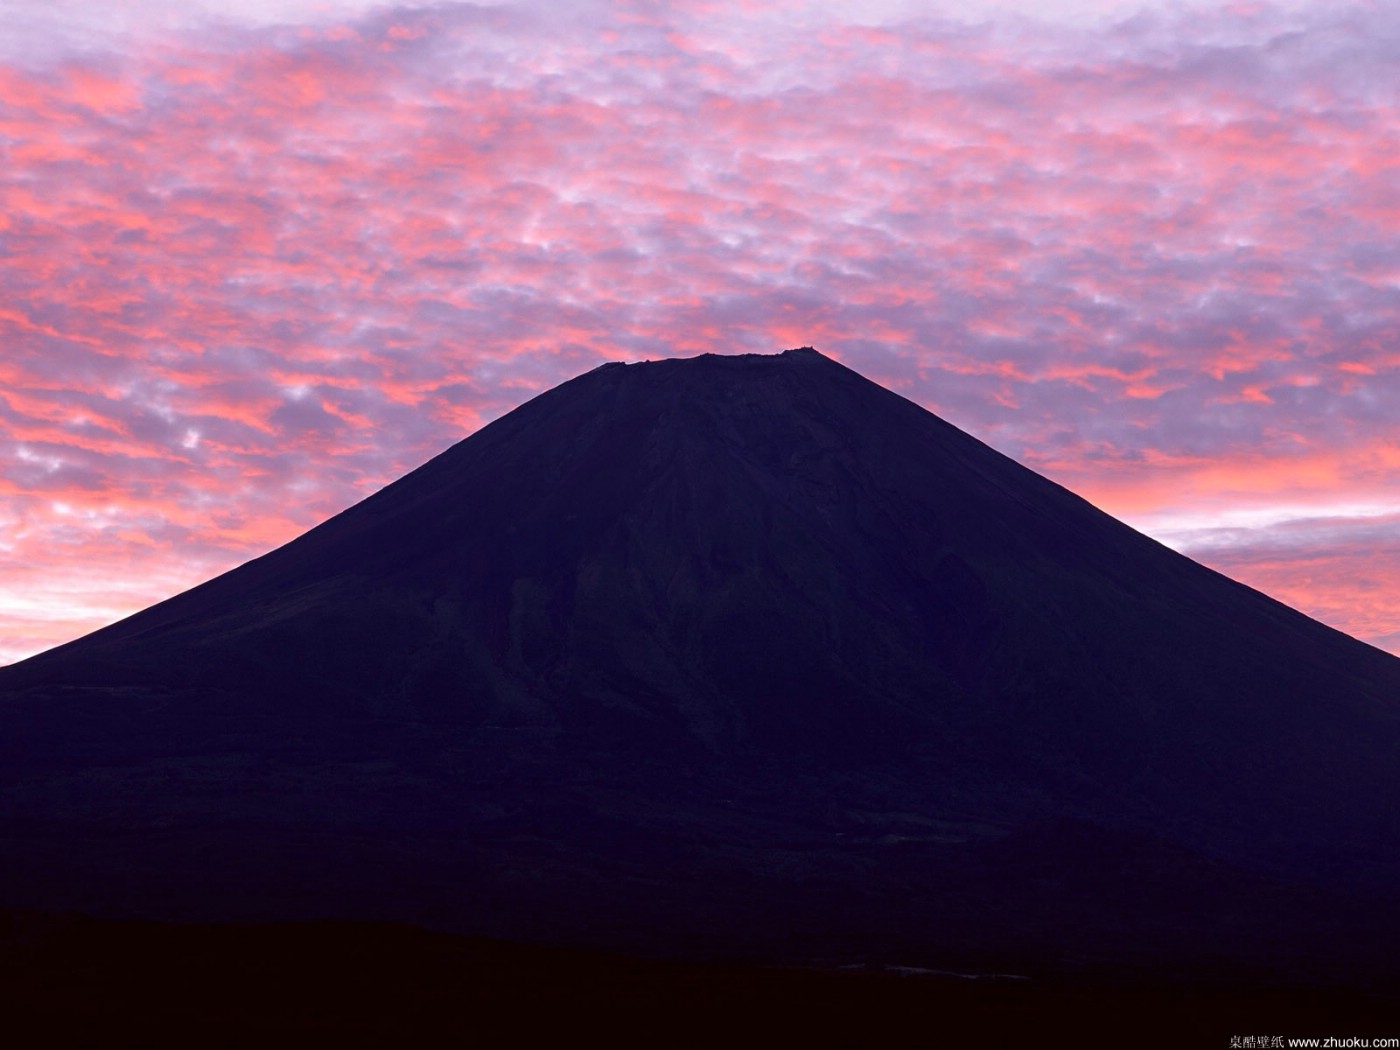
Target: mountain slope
x,y
749,620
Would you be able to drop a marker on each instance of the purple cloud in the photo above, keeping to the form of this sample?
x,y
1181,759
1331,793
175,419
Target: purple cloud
x,y
249,271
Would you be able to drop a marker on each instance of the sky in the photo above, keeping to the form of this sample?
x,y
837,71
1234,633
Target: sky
x,y
259,259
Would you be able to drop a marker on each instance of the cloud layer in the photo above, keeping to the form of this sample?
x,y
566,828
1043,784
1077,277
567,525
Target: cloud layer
x,y
251,270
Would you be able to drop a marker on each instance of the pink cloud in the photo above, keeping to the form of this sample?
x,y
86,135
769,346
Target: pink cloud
x,y
248,273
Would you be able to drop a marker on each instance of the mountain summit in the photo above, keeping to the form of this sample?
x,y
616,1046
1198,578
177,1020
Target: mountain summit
x,y
745,652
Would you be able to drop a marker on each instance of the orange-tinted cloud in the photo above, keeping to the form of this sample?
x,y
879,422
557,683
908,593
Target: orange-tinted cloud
x,y
251,270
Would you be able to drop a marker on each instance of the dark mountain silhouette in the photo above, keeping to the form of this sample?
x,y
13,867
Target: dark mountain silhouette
x,y
730,654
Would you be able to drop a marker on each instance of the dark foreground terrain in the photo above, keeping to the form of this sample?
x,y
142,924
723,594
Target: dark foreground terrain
x,y
69,981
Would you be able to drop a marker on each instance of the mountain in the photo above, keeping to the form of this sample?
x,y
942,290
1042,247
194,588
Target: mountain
x,y
735,654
